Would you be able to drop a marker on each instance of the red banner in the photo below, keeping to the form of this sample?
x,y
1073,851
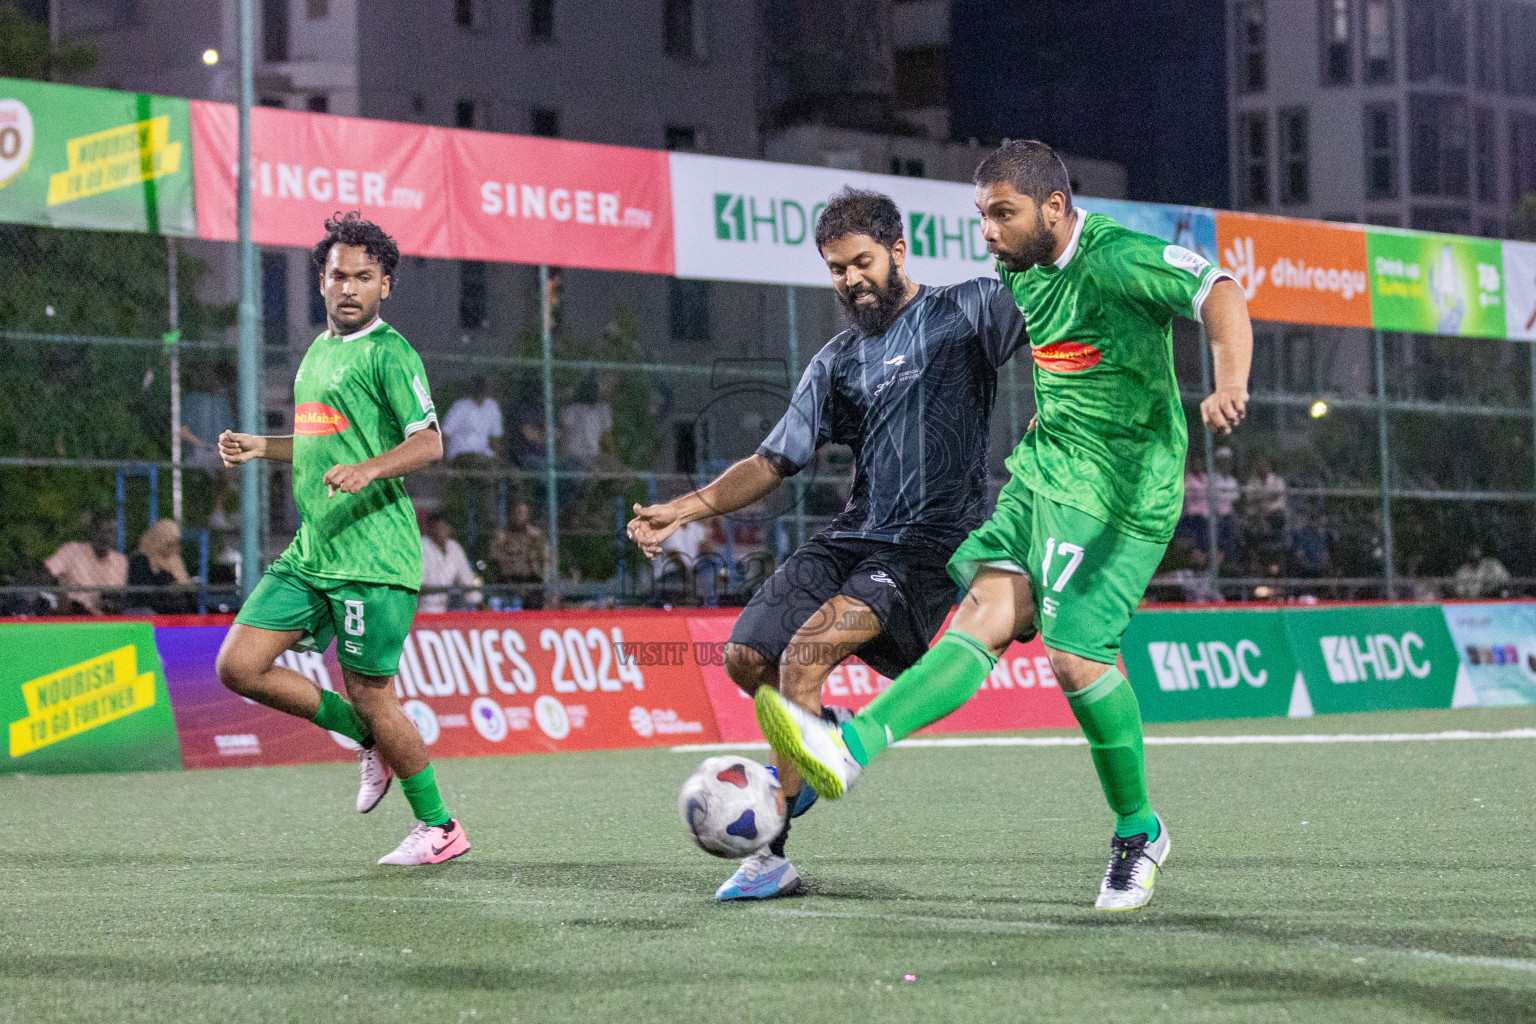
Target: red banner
x,y
305,167
525,200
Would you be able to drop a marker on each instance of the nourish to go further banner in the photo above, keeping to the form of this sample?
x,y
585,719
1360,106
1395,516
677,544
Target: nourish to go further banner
x,y
94,158
1437,284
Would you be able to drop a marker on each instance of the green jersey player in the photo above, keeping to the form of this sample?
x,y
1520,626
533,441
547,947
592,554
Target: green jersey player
x,y
1095,489
363,418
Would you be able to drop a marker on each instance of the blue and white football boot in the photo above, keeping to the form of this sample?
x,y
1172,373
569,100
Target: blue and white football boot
x,y
765,874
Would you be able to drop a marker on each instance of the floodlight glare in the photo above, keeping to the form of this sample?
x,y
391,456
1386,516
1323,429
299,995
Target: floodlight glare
x,y
210,57
1319,409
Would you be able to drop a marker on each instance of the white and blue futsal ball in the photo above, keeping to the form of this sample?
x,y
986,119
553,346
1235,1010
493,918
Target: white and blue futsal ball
x,y
732,806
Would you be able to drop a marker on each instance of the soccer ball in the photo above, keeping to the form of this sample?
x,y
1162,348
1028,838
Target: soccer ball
x,y
732,806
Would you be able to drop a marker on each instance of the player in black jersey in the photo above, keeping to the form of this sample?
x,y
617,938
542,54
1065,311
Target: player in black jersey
x,y
910,388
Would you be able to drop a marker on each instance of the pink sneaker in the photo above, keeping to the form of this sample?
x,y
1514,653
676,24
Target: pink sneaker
x,y
376,777
430,844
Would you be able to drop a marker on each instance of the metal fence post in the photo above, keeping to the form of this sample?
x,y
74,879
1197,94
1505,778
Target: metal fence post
x,y
250,315
1212,547
551,499
1386,473
173,316
798,484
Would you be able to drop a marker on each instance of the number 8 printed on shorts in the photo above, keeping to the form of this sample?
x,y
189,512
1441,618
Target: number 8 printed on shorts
x,y
1052,549
354,621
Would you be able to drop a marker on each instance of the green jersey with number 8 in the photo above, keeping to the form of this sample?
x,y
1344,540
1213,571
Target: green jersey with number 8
x,y
1111,435
356,397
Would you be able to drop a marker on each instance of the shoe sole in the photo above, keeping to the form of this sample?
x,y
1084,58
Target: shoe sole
x,y
382,794
1157,866
427,863
784,737
794,889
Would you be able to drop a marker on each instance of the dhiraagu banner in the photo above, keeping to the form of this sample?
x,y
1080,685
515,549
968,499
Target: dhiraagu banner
x,y
94,158
1218,664
83,698
1436,284
747,220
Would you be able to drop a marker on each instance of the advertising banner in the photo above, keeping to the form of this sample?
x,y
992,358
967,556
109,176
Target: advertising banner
x,y
747,220
1376,658
1192,227
94,158
1436,284
1520,290
1193,665
1497,644
305,167
84,698
527,200
1298,271
1021,692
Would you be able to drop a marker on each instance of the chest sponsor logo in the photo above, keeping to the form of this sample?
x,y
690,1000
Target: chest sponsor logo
x,y
1382,657
1211,664
1066,356
315,419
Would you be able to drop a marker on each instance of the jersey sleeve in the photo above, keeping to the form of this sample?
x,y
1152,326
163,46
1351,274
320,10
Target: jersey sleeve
x,y
1164,279
990,307
805,426
403,379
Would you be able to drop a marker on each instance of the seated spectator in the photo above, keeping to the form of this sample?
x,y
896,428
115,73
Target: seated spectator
x,y
586,423
518,556
1223,496
158,564
1195,581
1312,547
443,565
472,428
1264,500
1481,576
1195,521
93,564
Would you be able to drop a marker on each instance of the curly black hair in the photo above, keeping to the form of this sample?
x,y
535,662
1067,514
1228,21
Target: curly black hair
x,y
351,229
857,211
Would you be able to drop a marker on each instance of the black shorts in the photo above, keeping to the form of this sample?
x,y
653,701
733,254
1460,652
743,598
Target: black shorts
x,y
906,586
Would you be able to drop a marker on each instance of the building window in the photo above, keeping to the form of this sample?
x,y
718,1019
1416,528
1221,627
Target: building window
x,y
317,10
318,104
683,27
1437,146
468,14
1253,180
1448,220
1520,49
1484,155
541,20
1381,151
1336,46
1293,156
418,103
688,309
1250,46
474,296
922,77
682,137
1488,40
1437,40
274,30
1379,43
272,101
907,167
464,113
545,122
274,297
1522,155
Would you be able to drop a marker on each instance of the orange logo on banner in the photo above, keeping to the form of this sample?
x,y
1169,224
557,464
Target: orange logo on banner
x,y
312,419
1301,271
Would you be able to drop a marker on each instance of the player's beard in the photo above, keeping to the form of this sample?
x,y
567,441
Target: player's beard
x,y
351,319
1033,251
889,298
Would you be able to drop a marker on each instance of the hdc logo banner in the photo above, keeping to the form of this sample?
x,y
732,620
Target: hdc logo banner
x,y
1194,665
1377,658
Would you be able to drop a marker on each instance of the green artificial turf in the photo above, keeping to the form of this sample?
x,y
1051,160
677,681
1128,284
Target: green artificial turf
x,y
1340,883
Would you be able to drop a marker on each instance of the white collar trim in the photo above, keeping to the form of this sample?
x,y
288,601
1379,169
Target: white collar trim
x,y
1077,232
373,325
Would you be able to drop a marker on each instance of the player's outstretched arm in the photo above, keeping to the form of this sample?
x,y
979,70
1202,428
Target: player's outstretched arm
x,y
416,451
1225,315
238,449
749,480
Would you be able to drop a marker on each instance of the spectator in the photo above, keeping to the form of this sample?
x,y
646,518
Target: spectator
x,y
92,564
1312,548
1223,495
1195,522
443,565
527,439
588,424
518,556
158,564
1264,501
1195,581
472,428
1481,576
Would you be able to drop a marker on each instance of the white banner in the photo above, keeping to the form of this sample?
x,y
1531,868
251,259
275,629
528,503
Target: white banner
x,y
1520,290
747,220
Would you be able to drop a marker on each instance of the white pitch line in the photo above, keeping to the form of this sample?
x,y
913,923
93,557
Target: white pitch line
x,y
1168,741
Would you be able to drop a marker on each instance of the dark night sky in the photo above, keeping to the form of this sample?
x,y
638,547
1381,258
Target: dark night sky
x,y
1143,84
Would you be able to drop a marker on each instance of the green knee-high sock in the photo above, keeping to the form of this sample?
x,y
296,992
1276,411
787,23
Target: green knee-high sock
x,y
426,802
337,715
943,680
1111,719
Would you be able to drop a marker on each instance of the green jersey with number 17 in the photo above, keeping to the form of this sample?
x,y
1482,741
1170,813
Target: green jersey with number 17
x,y
356,397
1110,436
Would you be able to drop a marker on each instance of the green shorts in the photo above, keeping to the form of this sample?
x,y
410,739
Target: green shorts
x,y
371,619
1091,576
